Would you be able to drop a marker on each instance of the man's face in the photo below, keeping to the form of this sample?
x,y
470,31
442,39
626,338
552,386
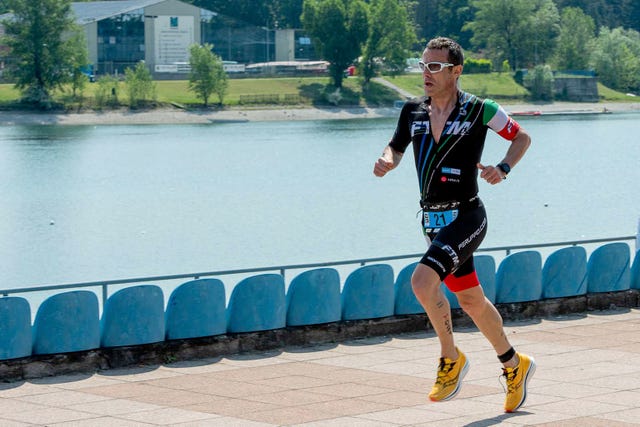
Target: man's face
x,y
439,82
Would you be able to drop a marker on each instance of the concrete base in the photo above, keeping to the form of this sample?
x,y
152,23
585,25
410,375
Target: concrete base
x,y
222,345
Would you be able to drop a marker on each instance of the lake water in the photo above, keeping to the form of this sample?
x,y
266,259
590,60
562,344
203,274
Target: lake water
x,y
87,203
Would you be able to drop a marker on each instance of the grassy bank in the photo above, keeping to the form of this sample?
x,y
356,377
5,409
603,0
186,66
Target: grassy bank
x,y
305,91
258,92
499,86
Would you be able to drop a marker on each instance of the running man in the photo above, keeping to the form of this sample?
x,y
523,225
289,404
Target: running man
x,y
448,128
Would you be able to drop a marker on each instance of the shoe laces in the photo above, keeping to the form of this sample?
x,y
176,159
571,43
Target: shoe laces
x,y
509,375
444,368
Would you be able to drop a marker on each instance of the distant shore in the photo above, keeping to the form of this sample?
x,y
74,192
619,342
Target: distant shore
x,y
180,116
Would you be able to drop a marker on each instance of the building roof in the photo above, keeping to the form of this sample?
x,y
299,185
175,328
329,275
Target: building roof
x,y
87,12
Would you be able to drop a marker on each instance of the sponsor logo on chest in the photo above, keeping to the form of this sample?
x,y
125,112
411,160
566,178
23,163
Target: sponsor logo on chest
x,y
420,127
447,175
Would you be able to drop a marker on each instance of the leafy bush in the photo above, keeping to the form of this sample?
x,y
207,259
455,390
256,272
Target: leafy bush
x,y
106,93
540,83
140,86
477,66
616,59
207,73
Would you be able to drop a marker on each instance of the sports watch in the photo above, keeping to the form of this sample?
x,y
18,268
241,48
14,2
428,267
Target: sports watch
x,y
505,168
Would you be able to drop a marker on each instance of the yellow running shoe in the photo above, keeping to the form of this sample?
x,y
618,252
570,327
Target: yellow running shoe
x,y
517,379
450,375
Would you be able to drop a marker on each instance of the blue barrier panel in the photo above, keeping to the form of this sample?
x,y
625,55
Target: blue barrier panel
x,y
565,273
133,316
635,272
519,278
368,293
451,297
486,269
196,309
608,268
405,300
67,322
15,329
314,297
257,303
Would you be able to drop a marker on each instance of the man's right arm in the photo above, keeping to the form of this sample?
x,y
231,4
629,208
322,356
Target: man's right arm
x,y
389,159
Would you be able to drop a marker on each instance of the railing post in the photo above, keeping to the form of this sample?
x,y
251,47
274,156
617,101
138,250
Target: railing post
x,y
638,237
104,296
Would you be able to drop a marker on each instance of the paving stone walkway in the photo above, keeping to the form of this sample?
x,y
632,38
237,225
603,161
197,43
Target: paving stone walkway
x,y
588,375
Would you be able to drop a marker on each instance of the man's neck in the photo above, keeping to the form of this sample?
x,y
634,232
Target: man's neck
x,y
445,103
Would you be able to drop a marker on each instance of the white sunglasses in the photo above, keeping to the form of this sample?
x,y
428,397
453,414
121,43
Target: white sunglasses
x,y
434,67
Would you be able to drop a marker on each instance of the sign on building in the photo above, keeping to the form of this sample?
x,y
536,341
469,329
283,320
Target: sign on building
x,y
173,37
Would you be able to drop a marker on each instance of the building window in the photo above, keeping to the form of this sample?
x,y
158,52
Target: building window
x,y
235,40
304,47
120,42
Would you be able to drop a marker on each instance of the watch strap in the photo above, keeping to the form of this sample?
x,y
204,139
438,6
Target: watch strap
x,y
505,168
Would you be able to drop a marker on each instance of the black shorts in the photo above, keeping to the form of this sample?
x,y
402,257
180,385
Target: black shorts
x,y
452,247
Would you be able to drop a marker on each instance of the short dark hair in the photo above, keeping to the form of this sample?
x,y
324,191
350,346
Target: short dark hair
x,y
456,57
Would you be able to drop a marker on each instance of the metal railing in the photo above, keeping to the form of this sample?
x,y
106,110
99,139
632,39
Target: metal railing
x,y
104,284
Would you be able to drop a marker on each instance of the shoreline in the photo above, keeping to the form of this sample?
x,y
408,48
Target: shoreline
x,y
179,116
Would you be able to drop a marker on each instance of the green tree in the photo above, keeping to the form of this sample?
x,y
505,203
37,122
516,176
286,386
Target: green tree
x,y
543,28
285,13
498,27
540,83
207,73
271,14
577,32
222,81
40,37
608,13
77,52
107,89
140,86
444,18
339,29
616,58
391,36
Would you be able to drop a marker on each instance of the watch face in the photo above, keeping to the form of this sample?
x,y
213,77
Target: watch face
x,y
504,167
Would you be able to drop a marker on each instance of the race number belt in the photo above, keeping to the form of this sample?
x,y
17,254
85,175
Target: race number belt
x,y
440,214
435,220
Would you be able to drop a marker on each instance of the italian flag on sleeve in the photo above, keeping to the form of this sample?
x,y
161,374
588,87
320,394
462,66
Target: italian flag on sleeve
x,y
497,119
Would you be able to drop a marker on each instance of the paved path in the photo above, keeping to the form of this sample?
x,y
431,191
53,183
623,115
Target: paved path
x,y
390,85
588,375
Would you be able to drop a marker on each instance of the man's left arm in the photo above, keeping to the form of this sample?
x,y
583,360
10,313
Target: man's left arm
x,y
519,145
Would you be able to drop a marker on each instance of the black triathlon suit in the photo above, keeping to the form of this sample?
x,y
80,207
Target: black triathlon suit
x,y
453,216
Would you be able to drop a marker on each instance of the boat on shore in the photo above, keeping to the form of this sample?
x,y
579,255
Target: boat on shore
x,y
558,113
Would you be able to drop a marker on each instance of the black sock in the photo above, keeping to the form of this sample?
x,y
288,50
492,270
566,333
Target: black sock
x,y
504,358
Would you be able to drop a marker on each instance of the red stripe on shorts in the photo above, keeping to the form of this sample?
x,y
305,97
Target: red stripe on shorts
x,y
462,283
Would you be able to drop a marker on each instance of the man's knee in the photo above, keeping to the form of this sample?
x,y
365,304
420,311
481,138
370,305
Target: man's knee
x,y
472,301
424,280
